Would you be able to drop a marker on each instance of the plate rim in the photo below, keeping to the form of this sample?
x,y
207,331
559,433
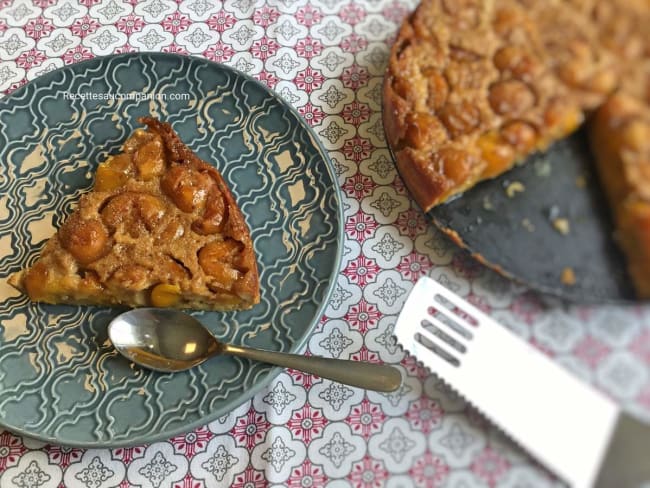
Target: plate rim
x,y
301,342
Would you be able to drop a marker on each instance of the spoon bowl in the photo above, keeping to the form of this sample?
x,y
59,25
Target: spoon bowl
x,y
162,339
170,340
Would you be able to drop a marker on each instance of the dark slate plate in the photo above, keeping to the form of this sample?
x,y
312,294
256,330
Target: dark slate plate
x,y
516,234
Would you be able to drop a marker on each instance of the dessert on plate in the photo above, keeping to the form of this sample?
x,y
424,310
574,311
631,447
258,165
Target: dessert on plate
x,y
159,228
474,87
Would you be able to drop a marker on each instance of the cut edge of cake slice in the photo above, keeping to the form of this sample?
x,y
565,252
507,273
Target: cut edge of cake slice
x,y
620,138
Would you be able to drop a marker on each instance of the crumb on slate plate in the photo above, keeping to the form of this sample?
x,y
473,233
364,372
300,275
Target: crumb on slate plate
x,y
528,225
515,187
568,276
562,225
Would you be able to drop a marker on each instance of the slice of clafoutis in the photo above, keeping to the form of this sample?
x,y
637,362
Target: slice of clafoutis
x,y
159,228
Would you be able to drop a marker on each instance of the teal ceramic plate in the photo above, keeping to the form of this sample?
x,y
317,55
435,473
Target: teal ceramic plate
x,y
60,379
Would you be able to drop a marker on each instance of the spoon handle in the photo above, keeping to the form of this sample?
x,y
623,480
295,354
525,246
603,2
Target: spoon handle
x,y
354,373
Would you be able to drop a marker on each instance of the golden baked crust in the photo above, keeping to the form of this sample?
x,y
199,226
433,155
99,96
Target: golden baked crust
x,y
620,138
159,228
474,86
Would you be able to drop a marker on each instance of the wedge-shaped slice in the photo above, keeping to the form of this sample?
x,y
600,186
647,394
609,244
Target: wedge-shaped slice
x,y
159,228
620,137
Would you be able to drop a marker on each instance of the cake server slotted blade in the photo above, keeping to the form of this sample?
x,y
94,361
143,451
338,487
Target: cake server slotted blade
x,y
564,423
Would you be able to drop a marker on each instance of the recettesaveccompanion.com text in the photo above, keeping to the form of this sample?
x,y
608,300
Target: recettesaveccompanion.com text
x,y
137,96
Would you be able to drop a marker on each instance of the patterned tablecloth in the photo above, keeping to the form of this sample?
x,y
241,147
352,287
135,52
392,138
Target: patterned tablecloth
x,y
327,58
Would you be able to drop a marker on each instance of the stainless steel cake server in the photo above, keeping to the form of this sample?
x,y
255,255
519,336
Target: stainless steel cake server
x,y
568,426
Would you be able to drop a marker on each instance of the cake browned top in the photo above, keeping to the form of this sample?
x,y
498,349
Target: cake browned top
x,y
160,227
474,86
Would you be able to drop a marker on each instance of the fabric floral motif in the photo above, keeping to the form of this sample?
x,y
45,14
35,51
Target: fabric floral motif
x,y
333,131
366,418
331,61
388,340
364,315
430,470
221,21
307,423
359,186
279,397
76,55
278,454
356,113
305,380
308,16
424,415
357,149
397,444
11,448
265,16
640,347
269,79
251,429
13,44
369,473
337,449
30,59
366,355
386,204
287,31
286,63
414,266
355,77
37,28
128,454
332,97
308,47
389,292
352,13
591,351
94,474
219,52
32,477
88,25
157,469
362,270
250,478
309,80
490,466
264,48
312,114
411,223
457,440
219,463
188,482
361,226
307,475
174,23
354,43
335,342
192,442
339,296
336,394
